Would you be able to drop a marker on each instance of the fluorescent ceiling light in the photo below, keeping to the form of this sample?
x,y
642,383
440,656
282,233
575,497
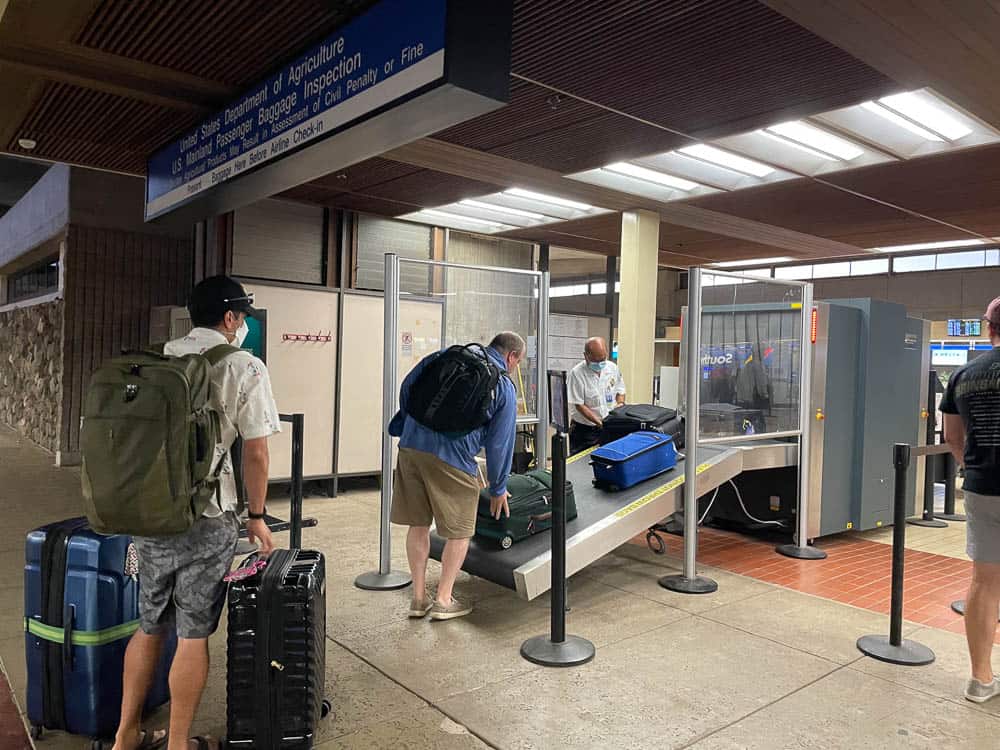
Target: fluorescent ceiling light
x,y
756,262
725,159
817,139
884,112
917,108
502,209
458,217
796,145
928,246
650,175
543,198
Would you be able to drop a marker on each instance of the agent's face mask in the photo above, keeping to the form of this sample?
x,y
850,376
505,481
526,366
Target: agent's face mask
x,y
597,366
241,333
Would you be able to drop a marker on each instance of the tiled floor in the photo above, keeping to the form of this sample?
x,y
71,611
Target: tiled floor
x,y
754,665
857,571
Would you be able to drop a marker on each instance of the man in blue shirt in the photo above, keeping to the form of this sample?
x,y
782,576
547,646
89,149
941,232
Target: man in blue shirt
x,y
435,479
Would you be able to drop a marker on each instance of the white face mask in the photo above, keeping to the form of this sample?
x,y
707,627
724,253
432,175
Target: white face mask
x,y
241,333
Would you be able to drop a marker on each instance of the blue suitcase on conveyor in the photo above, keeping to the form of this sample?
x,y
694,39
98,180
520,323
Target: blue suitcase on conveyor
x,y
633,459
81,584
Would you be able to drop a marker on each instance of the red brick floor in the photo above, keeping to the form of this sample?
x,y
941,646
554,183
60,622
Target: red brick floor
x,y
856,572
12,733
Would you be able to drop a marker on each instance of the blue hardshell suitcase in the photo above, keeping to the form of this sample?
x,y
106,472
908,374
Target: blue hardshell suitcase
x,y
633,459
82,586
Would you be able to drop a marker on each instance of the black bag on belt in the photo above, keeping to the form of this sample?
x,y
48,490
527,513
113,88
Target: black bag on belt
x,y
455,391
635,417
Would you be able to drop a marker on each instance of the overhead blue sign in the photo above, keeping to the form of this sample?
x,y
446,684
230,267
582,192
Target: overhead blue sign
x,y
383,56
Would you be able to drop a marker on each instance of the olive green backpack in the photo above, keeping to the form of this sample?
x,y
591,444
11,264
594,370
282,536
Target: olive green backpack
x,y
148,441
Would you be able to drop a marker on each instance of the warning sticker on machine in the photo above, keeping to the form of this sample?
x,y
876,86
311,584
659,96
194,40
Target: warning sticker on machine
x,y
658,492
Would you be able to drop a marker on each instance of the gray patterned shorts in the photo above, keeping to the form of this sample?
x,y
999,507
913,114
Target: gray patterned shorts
x,y
180,577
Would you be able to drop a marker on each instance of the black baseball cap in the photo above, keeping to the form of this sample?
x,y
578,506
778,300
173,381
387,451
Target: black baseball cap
x,y
214,296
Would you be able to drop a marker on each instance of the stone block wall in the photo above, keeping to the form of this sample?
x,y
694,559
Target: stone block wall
x,y
31,371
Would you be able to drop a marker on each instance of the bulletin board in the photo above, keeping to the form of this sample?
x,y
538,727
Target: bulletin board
x,y
568,334
302,371
420,327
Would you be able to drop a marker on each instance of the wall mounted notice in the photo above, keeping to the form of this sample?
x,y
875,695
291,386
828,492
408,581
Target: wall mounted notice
x,y
391,53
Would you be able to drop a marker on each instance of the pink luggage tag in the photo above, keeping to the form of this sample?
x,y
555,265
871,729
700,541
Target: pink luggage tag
x,y
242,573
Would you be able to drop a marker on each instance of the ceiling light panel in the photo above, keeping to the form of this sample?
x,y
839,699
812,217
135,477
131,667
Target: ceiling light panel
x,y
727,160
754,262
929,245
896,119
438,217
816,139
551,200
802,148
928,113
647,181
651,175
915,123
502,212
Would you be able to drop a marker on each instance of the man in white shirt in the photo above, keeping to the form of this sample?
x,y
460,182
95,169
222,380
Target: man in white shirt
x,y
180,577
594,387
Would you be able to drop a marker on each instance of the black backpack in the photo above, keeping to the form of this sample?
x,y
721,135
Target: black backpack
x,y
455,391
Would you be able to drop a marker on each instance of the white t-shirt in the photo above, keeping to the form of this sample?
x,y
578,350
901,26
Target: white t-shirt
x,y
241,394
595,390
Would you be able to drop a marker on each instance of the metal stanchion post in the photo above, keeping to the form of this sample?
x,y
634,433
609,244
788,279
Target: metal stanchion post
x,y
385,578
950,470
689,582
895,649
558,649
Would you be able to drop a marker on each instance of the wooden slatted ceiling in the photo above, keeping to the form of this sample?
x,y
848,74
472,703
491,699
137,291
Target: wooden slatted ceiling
x,y
700,68
80,126
232,43
961,188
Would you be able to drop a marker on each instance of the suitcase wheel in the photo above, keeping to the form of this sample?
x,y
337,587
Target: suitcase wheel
x,y
655,542
326,709
506,542
35,731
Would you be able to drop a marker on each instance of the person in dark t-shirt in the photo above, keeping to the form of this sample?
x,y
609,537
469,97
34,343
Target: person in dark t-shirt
x,y
971,409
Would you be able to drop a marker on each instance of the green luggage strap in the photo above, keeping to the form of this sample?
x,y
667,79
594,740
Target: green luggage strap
x,y
81,637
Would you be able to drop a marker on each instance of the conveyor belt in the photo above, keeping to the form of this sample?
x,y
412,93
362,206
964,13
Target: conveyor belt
x,y
606,520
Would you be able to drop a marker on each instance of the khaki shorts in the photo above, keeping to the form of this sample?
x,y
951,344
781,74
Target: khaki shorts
x,y
425,488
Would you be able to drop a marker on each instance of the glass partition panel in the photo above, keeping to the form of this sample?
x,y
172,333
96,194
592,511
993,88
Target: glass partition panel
x,y
478,303
750,367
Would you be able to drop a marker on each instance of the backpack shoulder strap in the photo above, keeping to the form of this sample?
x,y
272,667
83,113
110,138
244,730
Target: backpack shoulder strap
x,y
218,353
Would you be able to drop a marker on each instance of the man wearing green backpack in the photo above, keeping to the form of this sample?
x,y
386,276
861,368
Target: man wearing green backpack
x,y
183,556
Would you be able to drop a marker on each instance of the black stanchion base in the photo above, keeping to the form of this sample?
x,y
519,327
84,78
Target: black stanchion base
x,y
930,523
572,652
951,516
800,553
375,581
682,585
908,653
959,607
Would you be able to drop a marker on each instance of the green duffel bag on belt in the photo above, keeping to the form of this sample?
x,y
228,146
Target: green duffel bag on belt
x,y
148,442
530,509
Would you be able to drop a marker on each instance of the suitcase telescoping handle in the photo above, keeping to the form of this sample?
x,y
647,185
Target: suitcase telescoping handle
x,y
298,439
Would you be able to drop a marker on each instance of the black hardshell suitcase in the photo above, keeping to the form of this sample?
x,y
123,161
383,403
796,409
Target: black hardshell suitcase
x,y
277,653
530,506
639,417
